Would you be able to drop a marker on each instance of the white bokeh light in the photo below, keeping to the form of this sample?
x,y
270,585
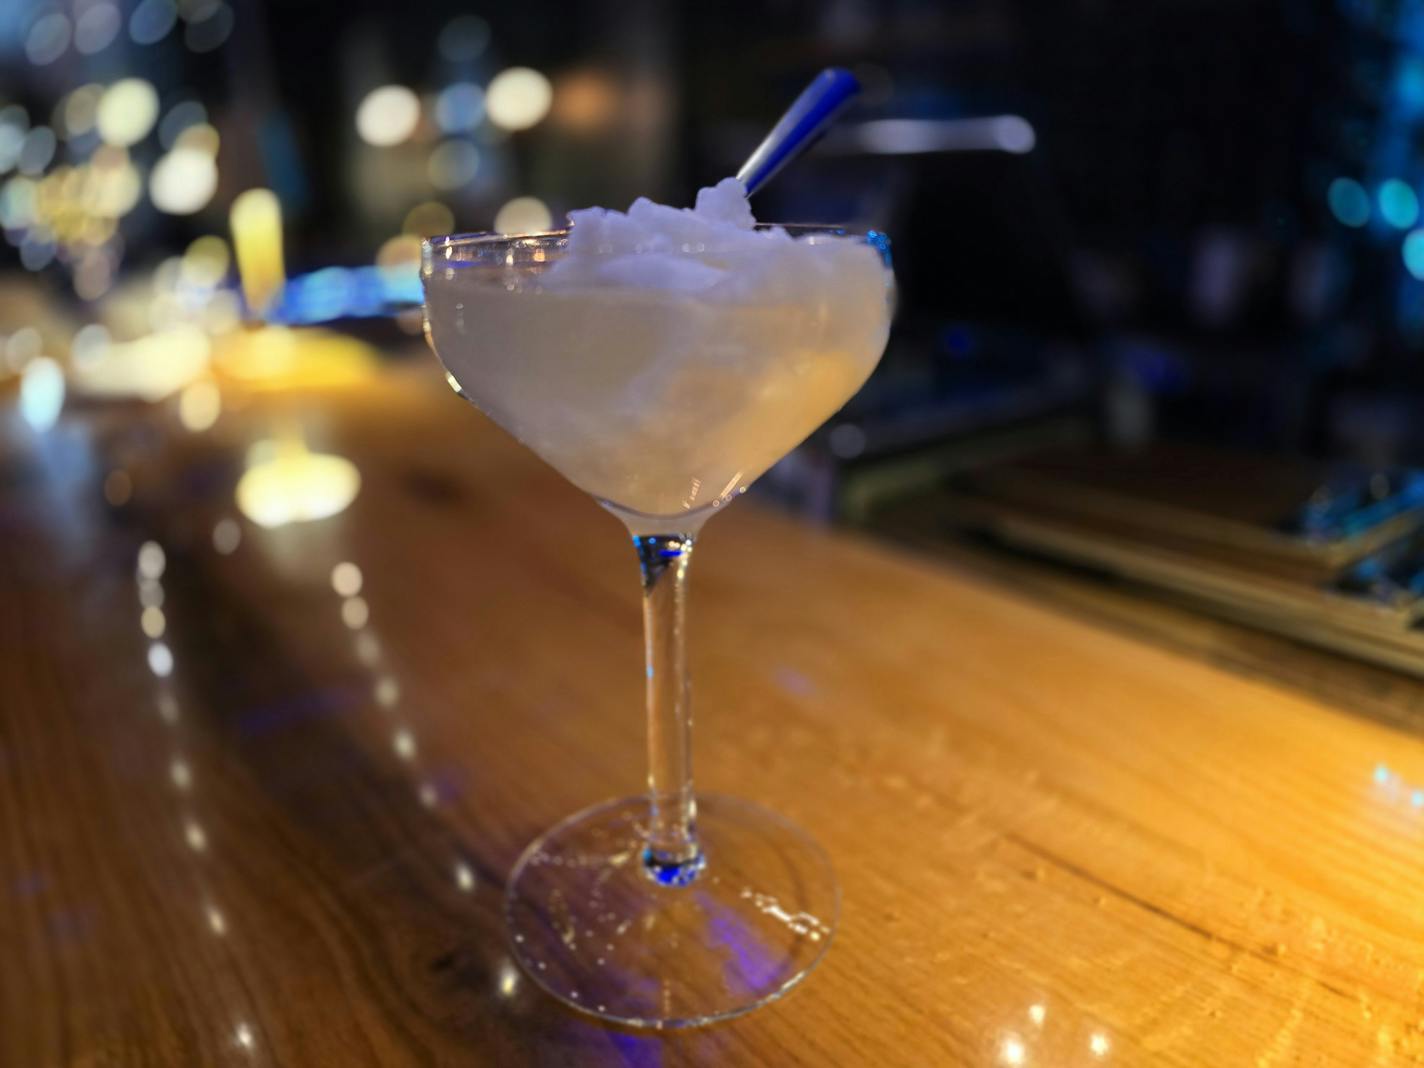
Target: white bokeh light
x,y
183,181
523,215
127,111
518,98
388,115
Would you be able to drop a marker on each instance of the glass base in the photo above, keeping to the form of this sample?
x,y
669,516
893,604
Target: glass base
x,y
593,926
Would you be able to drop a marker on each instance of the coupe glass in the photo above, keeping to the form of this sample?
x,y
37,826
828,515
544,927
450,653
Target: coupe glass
x,y
668,909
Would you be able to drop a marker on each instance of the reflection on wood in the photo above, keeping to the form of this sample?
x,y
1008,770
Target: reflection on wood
x,y
1056,845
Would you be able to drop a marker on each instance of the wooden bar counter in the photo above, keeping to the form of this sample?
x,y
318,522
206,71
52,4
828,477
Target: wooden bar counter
x,y
268,821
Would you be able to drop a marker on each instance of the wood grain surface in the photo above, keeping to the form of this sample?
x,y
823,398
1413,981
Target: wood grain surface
x,y
282,841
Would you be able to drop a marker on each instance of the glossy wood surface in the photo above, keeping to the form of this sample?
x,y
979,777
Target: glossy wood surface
x,y
1057,845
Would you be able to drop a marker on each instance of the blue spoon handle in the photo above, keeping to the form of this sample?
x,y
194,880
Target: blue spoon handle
x,y
814,110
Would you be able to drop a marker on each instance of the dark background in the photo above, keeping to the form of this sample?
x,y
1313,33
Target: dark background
x,y
1195,245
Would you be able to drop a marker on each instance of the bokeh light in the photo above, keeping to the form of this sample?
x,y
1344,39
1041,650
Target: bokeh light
x,y
37,251
180,116
346,579
203,136
388,115
96,27
199,405
429,218
208,31
518,98
48,38
1413,252
453,164
459,107
256,222
151,20
206,262
127,111
585,101
150,368
117,184
41,392
11,140
80,107
227,536
183,181
94,275
1349,202
403,250
36,150
523,215
88,345
464,38
22,347
285,483
1398,204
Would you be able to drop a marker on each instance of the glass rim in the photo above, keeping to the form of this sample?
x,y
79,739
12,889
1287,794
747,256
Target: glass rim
x,y
494,238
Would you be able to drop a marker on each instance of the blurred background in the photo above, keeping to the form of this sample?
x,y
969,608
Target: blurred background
x,y
1161,263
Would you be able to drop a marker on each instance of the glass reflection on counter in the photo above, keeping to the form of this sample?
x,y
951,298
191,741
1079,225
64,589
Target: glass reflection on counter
x,y
347,582
244,1037
464,876
195,836
160,659
355,612
285,482
153,622
180,774
508,982
227,536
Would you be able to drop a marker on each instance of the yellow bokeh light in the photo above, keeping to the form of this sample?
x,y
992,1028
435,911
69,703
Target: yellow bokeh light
x,y
77,114
256,221
127,111
150,368
518,98
425,220
286,483
280,358
205,263
200,137
199,406
96,230
523,215
400,251
116,190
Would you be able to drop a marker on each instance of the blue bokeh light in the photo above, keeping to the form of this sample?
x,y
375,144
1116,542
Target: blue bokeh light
x,y
1398,204
1413,251
1349,202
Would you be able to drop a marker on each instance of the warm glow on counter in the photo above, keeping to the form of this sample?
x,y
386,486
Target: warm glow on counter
x,y
285,483
280,357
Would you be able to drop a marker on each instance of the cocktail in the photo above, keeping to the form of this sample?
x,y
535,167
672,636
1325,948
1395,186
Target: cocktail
x,y
662,360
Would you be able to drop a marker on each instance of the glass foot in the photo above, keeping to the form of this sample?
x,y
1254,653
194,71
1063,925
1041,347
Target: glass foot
x,y
593,925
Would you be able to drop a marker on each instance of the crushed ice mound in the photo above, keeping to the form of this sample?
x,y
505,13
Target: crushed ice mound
x,y
722,215
711,250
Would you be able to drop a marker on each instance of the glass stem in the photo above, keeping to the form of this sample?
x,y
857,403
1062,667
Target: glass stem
x,y
672,855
